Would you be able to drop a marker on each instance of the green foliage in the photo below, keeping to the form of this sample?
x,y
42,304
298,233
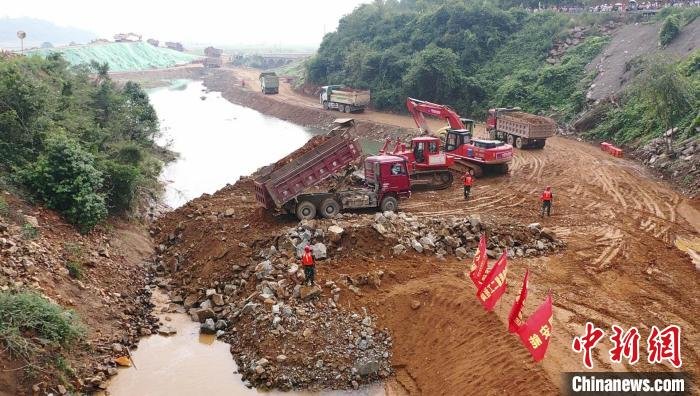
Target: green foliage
x,y
669,30
4,207
75,269
66,179
29,231
81,144
469,55
663,96
24,316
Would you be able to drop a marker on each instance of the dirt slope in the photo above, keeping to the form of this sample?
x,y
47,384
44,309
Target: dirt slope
x,y
631,41
108,295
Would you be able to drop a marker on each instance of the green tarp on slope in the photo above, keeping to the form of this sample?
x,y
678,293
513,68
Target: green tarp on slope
x,y
122,56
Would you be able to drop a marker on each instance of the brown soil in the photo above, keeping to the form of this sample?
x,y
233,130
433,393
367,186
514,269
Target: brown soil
x,y
620,267
108,297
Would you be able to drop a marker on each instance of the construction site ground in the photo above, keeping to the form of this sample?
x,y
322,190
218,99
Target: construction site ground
x,y
629,259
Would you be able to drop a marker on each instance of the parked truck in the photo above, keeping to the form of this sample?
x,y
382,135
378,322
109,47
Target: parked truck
x,y
518,128
287,188
344,99
269,83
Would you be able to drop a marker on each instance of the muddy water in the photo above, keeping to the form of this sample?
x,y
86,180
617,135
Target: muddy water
x,y
189,363
217,140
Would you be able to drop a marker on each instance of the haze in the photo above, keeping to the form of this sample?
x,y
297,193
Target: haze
x,y
266,22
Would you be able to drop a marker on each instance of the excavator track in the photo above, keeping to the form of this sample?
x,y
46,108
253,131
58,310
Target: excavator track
x,y
461,166
431,180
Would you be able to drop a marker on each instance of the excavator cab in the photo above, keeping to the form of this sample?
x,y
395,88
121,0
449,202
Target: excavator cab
x,y
456,138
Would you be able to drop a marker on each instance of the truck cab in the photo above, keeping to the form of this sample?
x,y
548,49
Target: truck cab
x,y
326,92
387,176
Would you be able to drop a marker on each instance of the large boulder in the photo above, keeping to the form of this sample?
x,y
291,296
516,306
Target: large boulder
x,y
319,251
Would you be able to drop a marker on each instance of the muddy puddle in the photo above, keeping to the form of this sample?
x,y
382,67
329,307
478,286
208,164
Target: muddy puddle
x,y
190,363
217,141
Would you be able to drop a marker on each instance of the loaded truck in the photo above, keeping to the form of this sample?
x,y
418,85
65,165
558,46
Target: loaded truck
x,y
343,99
518,128
269,83
287,188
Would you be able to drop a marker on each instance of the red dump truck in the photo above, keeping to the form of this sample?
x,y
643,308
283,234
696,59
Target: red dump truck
x,y
286,189
518,128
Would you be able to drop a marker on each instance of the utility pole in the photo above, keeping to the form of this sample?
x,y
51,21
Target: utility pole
x,y
21,35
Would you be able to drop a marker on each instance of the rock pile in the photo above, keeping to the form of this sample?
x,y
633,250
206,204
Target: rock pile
x,y
309,340
681,163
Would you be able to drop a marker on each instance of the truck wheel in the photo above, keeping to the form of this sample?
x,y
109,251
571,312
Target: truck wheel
x,y
389,204
330,208
519,143
306,211
509,139
540,144
325,105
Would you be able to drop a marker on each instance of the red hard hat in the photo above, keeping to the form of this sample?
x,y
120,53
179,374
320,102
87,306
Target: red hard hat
x,y
549,187
307,248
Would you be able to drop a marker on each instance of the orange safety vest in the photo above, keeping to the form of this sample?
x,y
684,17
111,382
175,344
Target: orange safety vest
x,y
468,180
546,196
307,259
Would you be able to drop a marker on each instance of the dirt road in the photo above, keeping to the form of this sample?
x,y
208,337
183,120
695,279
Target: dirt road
x,y
625,263
288,95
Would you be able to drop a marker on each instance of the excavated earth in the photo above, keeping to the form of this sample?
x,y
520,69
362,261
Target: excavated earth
x,y
618,249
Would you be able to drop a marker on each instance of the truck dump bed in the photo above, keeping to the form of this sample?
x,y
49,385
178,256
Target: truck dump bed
x,y
350,96
286,183
526,125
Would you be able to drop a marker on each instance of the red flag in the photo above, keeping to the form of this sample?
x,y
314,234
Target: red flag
x,y
494,285
537,331
515,318
479,263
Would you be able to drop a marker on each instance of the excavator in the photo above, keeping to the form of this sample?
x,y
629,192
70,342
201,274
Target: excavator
x,y
475,156
428,165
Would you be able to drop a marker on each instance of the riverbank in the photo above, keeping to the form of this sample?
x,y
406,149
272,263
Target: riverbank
x,y
228,83
100,276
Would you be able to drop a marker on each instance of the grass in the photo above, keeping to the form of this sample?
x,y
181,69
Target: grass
x,y
75,269
25,316
29,231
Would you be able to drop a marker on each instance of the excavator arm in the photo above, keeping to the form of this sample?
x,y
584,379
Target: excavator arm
x,y
418,108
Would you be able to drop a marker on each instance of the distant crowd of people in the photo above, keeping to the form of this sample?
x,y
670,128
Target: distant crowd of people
x,y
620,7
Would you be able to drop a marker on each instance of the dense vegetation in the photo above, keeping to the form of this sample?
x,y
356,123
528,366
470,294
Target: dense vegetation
x,y
662,96
77,141
469,55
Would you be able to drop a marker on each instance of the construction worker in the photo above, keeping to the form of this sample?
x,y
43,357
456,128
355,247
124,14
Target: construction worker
x,y
468,180
546,199
307,261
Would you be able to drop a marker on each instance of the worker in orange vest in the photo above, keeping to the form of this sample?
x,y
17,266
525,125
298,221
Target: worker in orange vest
x,y
307,261
468,180
546,199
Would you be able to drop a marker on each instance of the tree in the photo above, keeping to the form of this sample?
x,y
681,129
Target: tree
x,y
434,75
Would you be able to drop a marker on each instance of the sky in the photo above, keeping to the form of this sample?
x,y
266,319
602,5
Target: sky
x,y
235,22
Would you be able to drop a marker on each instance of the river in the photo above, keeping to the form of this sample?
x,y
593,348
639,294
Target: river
x,y
217,142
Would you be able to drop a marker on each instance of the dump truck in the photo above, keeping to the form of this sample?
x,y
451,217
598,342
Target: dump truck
x,y
518,128
342,98
287,189
212,62
269,83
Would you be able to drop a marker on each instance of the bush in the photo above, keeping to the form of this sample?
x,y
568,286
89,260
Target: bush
x,y
66,179
121,182
669,30
75,269
27,315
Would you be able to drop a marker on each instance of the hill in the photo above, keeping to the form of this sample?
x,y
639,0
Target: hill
x,y
39,31
121,56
